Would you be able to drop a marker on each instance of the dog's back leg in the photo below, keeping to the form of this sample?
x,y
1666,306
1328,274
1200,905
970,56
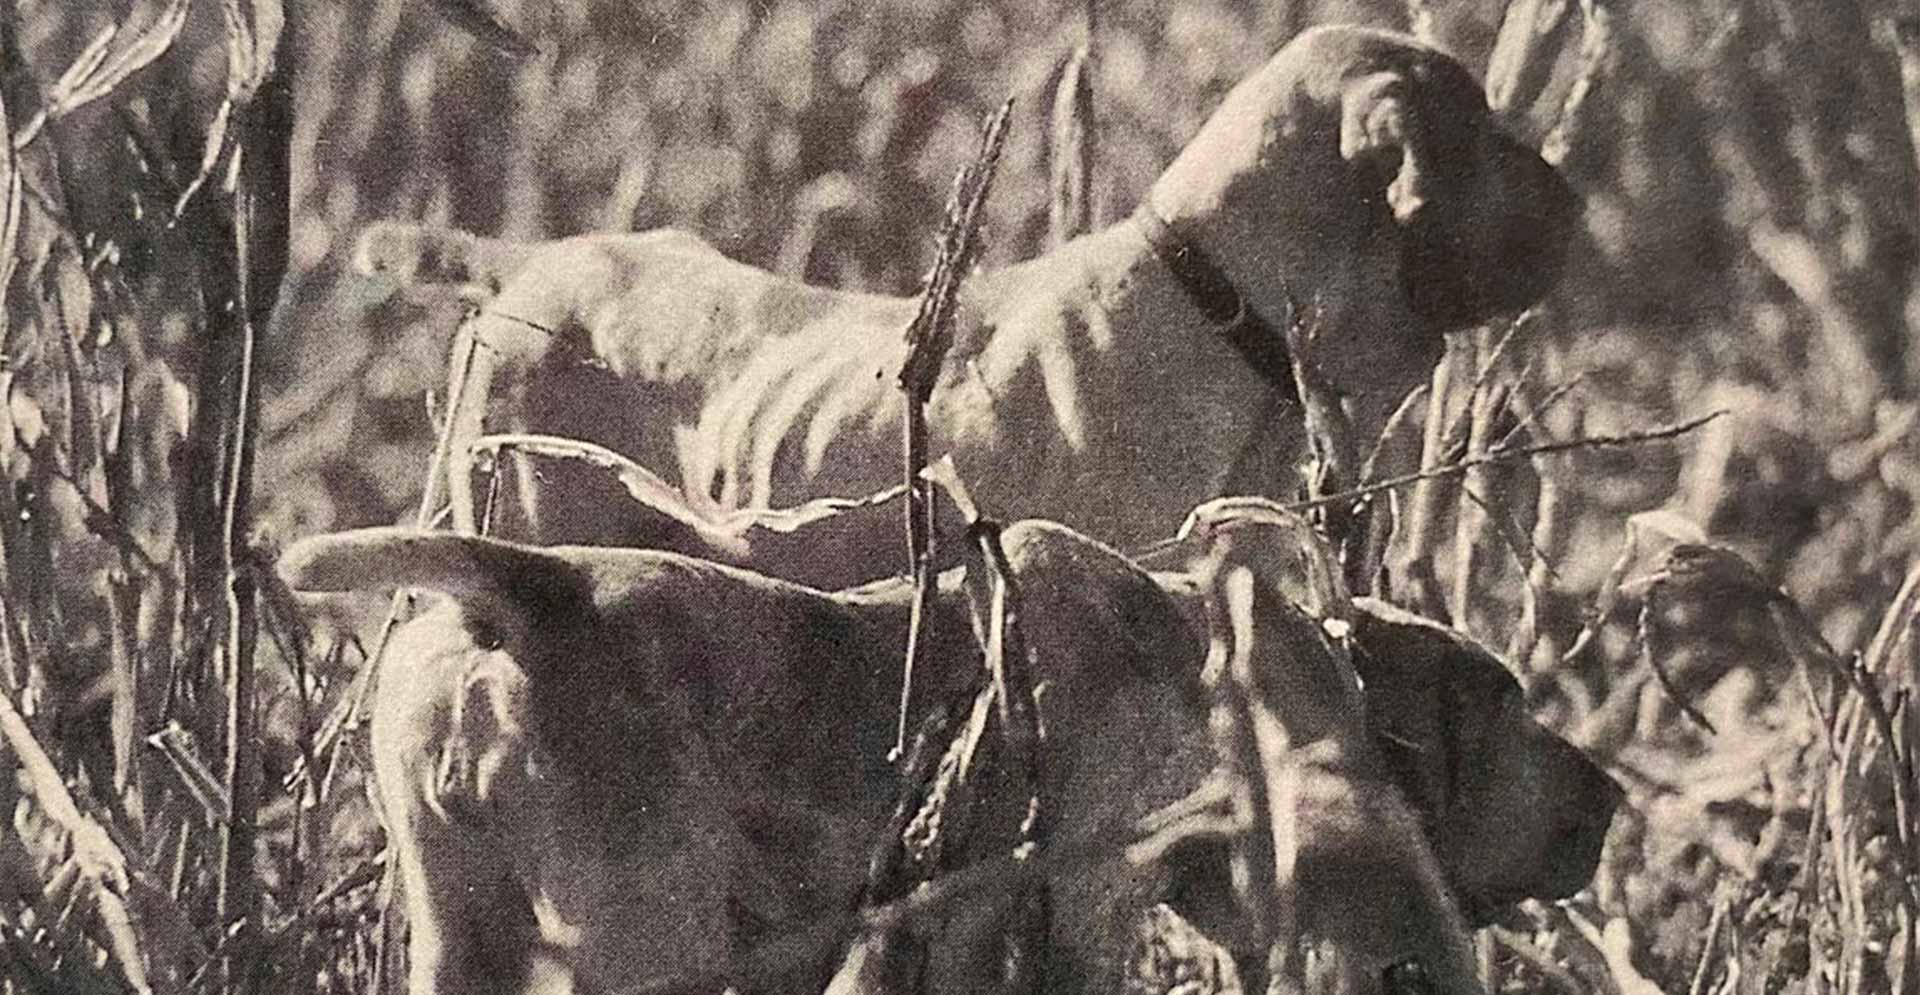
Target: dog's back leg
x,y
470,927
443,733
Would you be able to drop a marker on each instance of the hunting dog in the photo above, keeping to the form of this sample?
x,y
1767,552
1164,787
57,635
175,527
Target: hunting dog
x,y
625,770
1356,180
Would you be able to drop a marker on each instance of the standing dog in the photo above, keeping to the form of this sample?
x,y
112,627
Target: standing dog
x,y
617,770
1111,384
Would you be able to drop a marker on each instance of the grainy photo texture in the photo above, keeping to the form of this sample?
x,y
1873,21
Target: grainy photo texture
x,y
815,497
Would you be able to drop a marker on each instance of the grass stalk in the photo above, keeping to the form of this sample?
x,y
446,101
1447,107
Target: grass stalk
x,y
928,337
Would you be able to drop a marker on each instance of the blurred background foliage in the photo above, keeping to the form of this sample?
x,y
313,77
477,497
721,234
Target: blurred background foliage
x,y
1750,245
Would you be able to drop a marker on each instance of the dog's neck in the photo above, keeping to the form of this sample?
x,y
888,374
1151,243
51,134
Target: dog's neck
x,y
1259,338
1223,220
1264,191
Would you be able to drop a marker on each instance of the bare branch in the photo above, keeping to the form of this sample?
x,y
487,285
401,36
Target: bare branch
x,y
1514,453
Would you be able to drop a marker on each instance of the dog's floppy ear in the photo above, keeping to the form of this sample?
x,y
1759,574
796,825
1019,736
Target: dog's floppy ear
x,y
1089,608
1517,811
502,587
1380,128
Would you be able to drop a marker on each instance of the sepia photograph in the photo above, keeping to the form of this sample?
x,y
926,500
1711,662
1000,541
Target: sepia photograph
x,y
921,497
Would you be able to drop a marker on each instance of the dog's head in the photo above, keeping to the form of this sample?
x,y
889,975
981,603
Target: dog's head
x,y
1483,220
1512,810
1360,173
1516,812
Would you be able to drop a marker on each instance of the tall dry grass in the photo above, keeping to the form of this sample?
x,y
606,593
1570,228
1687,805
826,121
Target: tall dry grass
x,y
146,854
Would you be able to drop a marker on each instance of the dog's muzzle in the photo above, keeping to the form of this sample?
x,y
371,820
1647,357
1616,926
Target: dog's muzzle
x,y
1493,245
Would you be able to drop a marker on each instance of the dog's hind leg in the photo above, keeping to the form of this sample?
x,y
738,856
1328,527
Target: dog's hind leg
x,y
473,937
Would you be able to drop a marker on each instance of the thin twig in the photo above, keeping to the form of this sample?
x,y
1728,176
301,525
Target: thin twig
x,y
99,68
470,367
1596,54
1471,519
1806,640
247,264
1534,413
1528,633
1071,146
1698,986
1501,455
1414,580
1524,551
1508,455
1461,427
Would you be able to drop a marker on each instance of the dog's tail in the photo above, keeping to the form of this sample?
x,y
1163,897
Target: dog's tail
x,y
499,578
417,256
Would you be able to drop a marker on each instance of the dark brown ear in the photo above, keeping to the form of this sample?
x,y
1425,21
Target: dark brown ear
x,y
1517,812
501,585
1091,612
1381,129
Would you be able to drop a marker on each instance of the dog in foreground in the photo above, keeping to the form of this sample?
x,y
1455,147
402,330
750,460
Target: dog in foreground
x,y
1110,385
618,770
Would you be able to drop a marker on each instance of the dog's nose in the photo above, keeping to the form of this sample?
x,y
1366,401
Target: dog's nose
x,y
1542,213
1496,249
1584,817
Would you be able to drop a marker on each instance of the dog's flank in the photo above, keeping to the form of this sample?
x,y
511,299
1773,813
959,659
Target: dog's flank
x,y
1357,175
594,789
